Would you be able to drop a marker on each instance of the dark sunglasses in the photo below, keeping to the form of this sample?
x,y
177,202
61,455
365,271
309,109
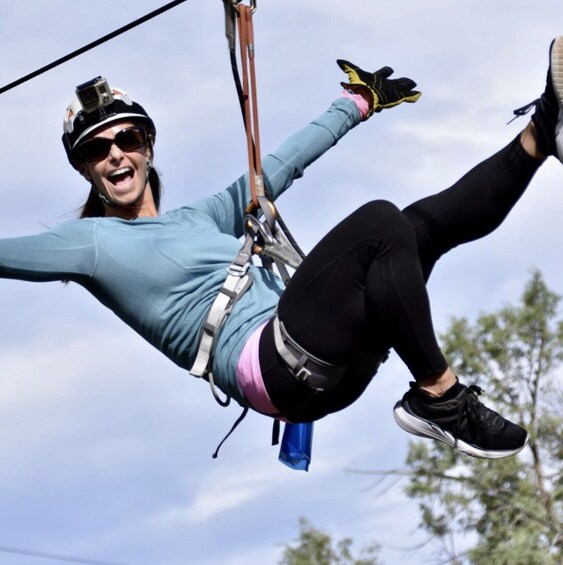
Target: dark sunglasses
x,y
98,148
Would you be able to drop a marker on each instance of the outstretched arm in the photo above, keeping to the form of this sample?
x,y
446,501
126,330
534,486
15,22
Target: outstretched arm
x,y
378,92
373,92
66,252
281,167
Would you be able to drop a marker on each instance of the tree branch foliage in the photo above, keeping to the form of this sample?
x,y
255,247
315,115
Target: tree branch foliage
x,y
315,547
514,506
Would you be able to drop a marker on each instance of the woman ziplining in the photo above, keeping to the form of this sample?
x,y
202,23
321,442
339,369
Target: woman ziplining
x,y
311,349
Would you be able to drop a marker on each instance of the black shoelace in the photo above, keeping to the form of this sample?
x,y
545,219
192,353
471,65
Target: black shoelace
x,y
470,402
519,112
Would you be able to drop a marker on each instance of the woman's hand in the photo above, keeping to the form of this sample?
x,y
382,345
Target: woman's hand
x,y
377,88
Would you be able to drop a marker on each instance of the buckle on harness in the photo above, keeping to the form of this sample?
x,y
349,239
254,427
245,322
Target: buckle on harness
x,y
305,367
303,374
237,270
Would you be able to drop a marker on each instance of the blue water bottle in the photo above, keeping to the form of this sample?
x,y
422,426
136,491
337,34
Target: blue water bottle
x,y
297,441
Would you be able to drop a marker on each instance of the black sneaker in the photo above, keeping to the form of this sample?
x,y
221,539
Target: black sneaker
x,y
460,420
548,116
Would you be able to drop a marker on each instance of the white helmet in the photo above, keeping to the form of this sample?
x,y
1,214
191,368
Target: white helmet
x,y
97,104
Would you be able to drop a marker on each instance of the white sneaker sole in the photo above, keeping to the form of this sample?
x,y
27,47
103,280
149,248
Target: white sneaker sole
x,y
556,63
425,428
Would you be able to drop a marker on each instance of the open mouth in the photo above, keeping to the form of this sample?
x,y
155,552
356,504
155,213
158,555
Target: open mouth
x,y
121,178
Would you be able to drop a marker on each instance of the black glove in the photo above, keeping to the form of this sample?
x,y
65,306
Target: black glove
x,y
380,91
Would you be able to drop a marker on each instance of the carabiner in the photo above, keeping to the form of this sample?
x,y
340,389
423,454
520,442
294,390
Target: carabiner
x,y
252,6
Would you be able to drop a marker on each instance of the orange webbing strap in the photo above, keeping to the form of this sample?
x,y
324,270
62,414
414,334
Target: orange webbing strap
x,y
273,241
272,244
250,98
246,39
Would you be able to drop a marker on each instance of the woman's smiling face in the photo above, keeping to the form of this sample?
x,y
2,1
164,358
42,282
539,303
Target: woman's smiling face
x,y
122,176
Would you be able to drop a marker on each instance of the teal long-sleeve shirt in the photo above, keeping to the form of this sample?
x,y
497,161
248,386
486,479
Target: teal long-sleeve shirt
x,y
160,275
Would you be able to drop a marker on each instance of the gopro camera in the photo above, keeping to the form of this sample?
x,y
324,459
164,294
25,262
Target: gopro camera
x,y
94,94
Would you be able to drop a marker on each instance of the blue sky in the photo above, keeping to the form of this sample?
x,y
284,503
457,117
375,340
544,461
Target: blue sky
x,y
105,445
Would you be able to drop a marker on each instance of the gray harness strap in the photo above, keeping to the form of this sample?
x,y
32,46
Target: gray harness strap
x,y
275,247
236,284
315,373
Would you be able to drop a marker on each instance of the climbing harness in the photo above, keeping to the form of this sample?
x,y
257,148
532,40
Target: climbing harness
x,y
266,236
273,244
238,281
315,373
263,236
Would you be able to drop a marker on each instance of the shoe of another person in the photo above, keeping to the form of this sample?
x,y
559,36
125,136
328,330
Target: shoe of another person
x,y
460,420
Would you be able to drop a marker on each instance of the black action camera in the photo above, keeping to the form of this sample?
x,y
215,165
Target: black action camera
x,y
94,94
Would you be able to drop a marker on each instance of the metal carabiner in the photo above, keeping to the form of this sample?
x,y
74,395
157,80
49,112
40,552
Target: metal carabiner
x,y
252,6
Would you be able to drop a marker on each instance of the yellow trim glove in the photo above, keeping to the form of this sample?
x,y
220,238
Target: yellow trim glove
x,y
379,90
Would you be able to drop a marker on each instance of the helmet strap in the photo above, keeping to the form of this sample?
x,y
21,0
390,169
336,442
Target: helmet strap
x,y
102,196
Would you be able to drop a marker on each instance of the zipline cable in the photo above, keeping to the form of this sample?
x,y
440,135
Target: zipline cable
x,y
93,44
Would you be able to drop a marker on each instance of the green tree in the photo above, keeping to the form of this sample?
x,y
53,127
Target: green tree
x,y
513,507
315,547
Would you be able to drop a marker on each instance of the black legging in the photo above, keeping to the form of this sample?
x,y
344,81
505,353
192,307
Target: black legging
x,y
362,289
